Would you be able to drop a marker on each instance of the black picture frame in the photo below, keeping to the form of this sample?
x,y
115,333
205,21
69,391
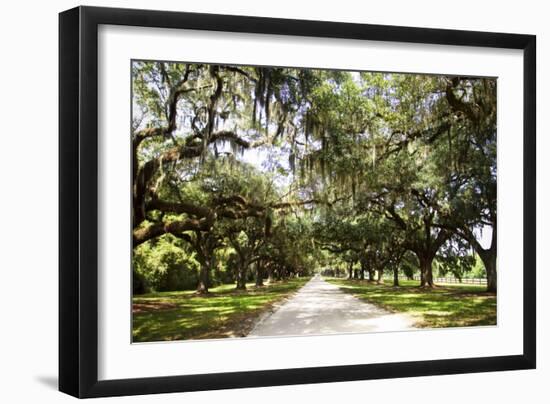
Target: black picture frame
x,y
78,201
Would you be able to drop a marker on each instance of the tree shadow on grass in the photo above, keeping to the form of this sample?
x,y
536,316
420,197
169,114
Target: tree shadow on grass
x,y
441,307
223,313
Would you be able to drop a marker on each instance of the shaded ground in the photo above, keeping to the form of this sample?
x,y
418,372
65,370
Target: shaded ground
x,y
225,312
449,305
322,308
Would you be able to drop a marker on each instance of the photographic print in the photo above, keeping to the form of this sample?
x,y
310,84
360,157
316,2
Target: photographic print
x,y
282,201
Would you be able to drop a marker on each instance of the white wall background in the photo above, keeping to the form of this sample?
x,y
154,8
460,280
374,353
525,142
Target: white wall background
x,y
28,199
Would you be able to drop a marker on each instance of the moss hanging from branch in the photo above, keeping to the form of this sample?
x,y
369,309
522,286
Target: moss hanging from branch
x,y
292,162
267,101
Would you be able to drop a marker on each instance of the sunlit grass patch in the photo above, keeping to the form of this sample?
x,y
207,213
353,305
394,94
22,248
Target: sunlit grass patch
x,y
452,305
225,312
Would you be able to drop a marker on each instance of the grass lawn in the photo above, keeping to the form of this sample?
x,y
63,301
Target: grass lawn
x,y
224,312
449,305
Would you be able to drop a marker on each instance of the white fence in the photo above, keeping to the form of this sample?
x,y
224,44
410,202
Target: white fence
x,y
389,277
471,281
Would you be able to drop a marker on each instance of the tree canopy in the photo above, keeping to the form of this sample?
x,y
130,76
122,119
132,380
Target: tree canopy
x,y
262,172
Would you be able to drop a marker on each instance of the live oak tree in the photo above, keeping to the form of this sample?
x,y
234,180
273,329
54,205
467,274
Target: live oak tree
x,y
473,104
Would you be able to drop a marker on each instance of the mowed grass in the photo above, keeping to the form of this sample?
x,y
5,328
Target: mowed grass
x,y
448,305
224,312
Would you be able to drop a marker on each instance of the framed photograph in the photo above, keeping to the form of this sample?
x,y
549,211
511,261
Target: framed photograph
x,y
251,201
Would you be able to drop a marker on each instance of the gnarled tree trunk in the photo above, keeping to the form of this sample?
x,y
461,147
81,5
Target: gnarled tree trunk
x,y
241,277
202,286
488,256
490,262
426,274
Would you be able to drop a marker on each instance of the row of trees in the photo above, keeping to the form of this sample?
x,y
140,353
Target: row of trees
x,y
254,171
246,240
